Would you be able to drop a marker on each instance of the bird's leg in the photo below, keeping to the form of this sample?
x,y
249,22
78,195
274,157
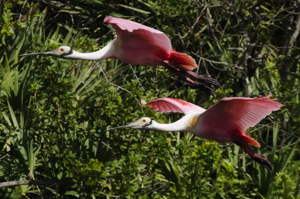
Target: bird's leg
x,y
255,156
171,68
205,78
203,87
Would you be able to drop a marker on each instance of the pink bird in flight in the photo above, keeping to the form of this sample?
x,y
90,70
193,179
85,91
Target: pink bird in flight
x,y
226,121
139,45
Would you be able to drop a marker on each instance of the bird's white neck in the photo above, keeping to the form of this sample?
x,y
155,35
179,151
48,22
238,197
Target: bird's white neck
x,y
106,52
184,124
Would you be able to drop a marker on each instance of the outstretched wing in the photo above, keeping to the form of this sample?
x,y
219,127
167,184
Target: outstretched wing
x,y
173,105
139,34
238,113
128,25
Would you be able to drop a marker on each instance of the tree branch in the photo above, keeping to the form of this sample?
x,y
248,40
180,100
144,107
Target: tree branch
x,y
29,182
245,63
284,63
294,35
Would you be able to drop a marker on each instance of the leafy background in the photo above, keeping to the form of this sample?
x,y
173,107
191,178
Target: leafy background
x,y
54,113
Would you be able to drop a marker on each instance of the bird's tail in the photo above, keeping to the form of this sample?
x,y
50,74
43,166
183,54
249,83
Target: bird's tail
x,y
244,136
184,62
243,141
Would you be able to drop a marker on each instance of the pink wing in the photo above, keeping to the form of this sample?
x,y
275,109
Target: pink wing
x,y
173,105
128,25
237,113
136,36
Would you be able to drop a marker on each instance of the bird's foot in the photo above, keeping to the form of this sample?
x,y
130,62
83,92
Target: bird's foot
x,y
263,161
209,80
204,88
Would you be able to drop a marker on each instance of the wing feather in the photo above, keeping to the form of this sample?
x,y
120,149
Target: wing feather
x,y
238,112
128,25
140,33
173,105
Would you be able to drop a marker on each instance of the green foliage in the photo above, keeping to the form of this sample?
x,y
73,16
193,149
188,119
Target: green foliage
x,y
285,186
55,114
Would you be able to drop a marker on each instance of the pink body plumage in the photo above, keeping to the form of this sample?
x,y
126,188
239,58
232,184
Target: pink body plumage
x,y
142,45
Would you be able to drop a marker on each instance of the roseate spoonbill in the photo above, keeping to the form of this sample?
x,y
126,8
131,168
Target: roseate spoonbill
x,y
223,122
139,45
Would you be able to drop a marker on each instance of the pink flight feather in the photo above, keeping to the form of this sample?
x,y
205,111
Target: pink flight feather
x,y
173,105
238,112
128,25
136,35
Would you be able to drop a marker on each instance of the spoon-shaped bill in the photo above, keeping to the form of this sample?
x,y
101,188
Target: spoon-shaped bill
x,y
136,124
52,52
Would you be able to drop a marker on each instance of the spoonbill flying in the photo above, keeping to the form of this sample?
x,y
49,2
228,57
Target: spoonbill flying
x,y
223,122
138,44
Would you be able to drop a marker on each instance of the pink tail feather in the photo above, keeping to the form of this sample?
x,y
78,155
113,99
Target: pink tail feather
x,y
182,59
245,137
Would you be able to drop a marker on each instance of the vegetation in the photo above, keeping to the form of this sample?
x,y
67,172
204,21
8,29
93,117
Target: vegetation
x,y
54,113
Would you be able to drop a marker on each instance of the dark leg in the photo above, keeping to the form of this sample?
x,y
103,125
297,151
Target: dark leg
x,y
203,87
204,78
255,156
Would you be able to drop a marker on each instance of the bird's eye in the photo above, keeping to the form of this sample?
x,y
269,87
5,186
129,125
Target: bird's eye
x,y
61,49
143,120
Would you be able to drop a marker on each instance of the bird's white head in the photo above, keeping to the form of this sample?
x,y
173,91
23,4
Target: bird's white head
x,y
142,123
62,51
